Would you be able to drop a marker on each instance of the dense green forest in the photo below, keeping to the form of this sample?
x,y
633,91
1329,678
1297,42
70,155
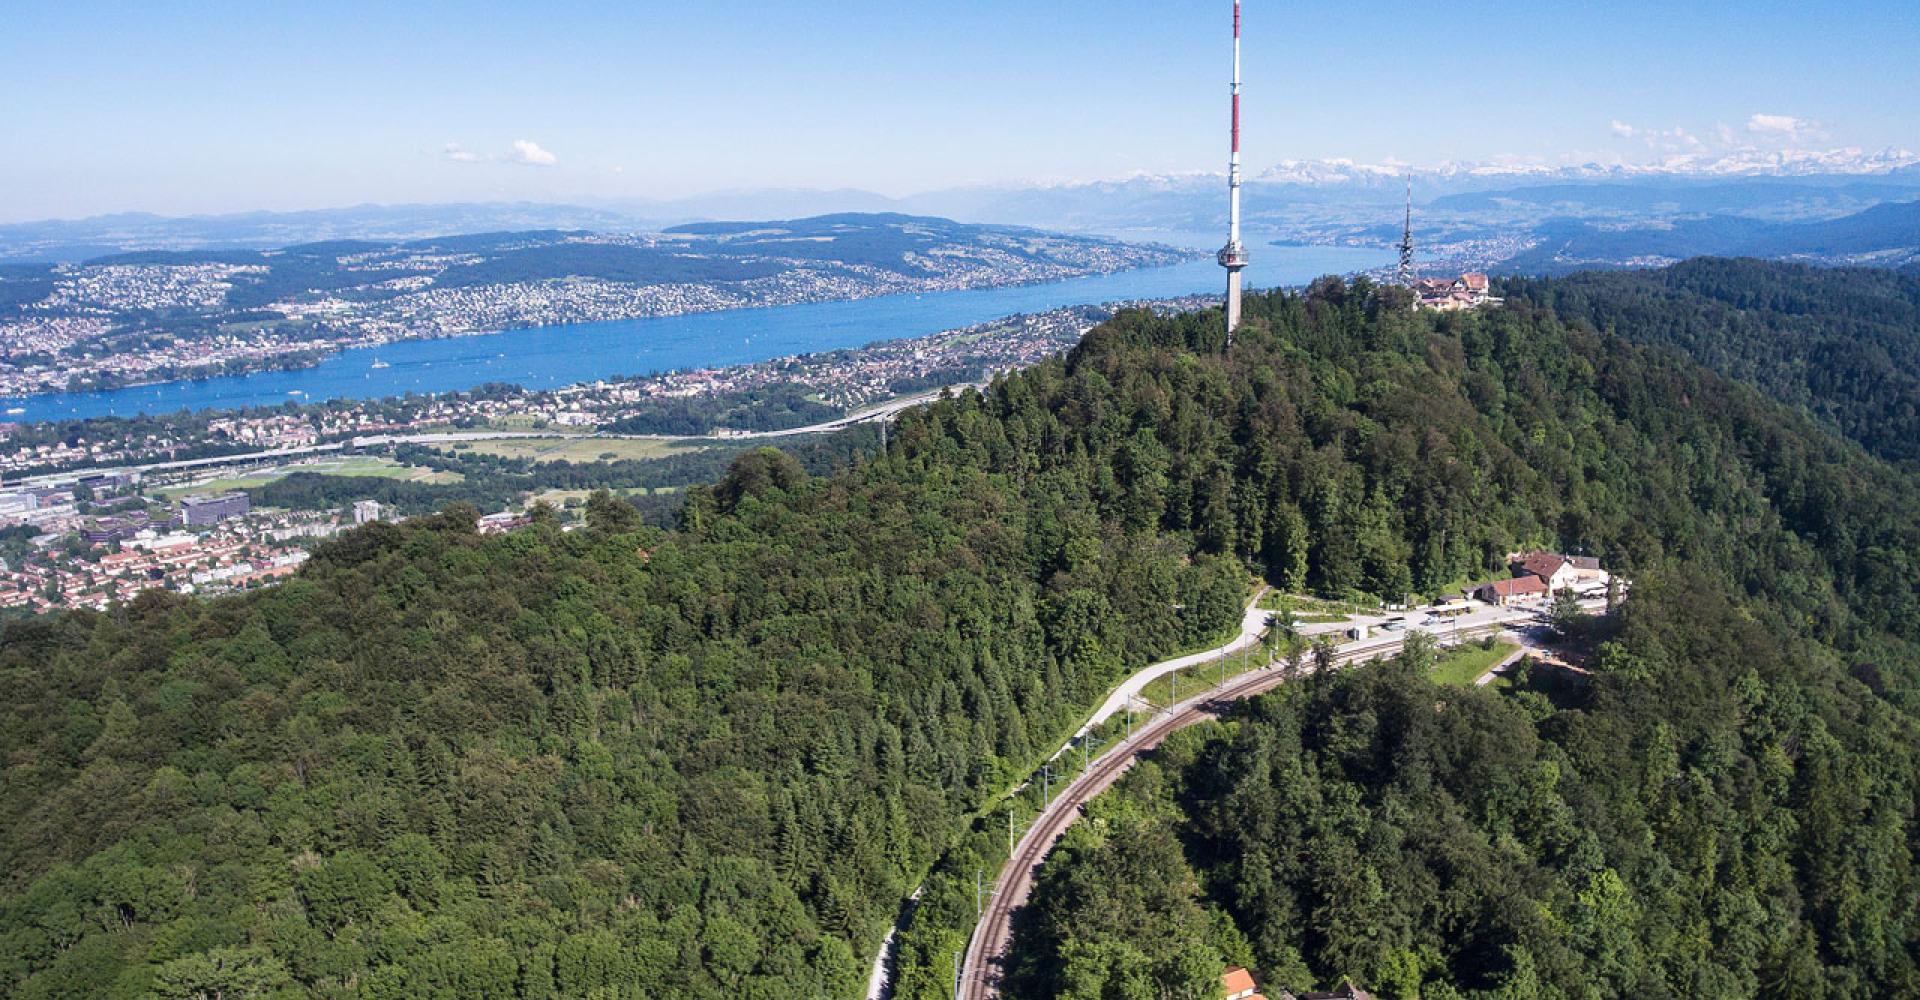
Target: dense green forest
x,y
1842,342
630,762
1727,810
774,408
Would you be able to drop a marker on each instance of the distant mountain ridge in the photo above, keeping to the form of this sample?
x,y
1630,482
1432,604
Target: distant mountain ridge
x,y
1167,201
1886,235
1497,217
81,239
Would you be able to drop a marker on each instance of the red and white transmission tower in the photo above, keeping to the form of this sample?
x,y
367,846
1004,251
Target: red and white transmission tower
x,y
1233,256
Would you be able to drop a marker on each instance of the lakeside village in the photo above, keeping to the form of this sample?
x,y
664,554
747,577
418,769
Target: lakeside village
x,y
848,380
91,536
94,328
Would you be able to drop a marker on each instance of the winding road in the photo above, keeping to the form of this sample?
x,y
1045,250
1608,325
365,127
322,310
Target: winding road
x,y
1253,624
987,948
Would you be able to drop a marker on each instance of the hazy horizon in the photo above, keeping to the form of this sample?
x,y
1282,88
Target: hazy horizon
x,y
242,108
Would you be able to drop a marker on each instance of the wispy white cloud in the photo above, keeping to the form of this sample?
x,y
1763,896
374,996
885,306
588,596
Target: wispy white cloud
x,y
529,152
1662,140
1761,132
1784,127
525,152
1763,143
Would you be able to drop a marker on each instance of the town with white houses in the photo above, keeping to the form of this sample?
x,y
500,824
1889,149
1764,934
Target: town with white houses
x,y
94,541
844,379
110,323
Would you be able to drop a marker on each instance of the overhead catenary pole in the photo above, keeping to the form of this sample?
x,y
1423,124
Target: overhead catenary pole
x,y
1233,256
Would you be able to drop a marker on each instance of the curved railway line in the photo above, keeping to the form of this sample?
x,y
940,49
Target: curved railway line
x,y
986,950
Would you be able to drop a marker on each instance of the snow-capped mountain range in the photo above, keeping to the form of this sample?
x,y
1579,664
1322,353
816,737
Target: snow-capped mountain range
x,y
1456,176
1331,200
1739,163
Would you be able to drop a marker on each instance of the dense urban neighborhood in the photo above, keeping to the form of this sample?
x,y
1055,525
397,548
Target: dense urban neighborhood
x,y
67,551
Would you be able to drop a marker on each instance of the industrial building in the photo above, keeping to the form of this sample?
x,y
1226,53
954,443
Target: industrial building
x,y
203,511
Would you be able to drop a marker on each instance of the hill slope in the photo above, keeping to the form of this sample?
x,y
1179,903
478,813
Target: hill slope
x,y
1883,235
629,763
1842,343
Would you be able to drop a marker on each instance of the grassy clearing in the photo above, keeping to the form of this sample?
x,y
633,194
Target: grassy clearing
x,y
578,449
1300,619
1461,667
260,478
1454,588
560,498
1313,610
349,465
519,422
1185,683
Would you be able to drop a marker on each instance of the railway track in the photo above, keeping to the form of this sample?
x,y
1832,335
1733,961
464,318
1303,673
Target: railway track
x,y
979,973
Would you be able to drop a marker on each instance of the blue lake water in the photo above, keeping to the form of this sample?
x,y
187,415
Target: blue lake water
x,y
550,356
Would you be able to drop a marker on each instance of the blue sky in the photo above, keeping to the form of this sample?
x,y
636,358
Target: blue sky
x,y
214,107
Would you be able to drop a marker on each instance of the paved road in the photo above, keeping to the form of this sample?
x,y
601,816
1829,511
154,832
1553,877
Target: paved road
x,y
185,463
885,411
988,945
1494,672
1253,624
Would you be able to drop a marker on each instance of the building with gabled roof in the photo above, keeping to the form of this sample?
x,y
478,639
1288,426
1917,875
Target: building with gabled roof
x,y
1554,569
1238,984
1506,593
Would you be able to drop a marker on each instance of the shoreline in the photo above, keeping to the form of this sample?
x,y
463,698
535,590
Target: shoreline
x,y
266,363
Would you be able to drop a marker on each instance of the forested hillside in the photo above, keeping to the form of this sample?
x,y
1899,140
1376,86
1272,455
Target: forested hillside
x,y
625,762
1727,810
1842,342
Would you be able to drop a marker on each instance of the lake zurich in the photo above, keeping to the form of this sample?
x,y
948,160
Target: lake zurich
x,y
548,356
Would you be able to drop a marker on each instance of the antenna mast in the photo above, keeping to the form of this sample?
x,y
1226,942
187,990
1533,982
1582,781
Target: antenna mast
x,y
1233,256
1406,240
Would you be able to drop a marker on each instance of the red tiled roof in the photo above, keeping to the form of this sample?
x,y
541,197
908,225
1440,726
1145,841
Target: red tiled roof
x,y
1542,564
1518,585
1236,980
